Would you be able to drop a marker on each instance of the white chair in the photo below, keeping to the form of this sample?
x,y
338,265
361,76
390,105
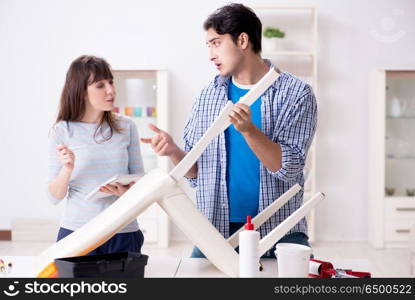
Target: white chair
x,y
160,187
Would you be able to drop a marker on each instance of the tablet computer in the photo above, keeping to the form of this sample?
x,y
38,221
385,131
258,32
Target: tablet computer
x,y
121,179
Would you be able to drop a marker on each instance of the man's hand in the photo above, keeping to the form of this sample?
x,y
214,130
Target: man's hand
x,y
268,152
240,117
162,143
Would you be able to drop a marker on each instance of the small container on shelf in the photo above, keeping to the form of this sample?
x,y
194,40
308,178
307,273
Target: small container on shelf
x,y
128,111
138,111
151,111
389,191
410,192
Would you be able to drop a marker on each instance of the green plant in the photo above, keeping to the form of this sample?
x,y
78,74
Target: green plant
x,y
271,32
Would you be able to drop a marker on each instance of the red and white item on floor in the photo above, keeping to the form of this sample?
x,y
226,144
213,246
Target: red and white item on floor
x,y
324,269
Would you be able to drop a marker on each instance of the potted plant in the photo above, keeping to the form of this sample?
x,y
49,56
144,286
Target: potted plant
x,y
272,38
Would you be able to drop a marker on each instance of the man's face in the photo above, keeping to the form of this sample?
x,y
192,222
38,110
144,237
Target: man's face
x,y
223,52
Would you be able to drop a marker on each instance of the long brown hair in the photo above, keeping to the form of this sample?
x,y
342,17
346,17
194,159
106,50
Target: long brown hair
x,y
84,71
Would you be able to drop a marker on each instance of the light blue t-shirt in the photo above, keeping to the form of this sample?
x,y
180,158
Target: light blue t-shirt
x,y
95,163
242,169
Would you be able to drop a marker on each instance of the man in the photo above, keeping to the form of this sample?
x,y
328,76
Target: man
x,y
262,154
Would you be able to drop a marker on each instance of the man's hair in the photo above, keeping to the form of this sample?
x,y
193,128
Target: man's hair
x,y
234,19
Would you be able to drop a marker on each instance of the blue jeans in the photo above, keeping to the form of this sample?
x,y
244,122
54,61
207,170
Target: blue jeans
x,y
121,242
295,238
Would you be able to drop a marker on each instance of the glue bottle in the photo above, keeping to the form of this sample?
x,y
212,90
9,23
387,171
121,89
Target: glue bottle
x,y
248,250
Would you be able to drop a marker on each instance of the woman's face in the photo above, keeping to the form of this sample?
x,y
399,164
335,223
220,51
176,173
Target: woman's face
x,y
101,95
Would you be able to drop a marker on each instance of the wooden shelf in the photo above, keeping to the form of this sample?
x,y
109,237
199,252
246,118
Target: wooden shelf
x,y
401,73
401,118
400,157
399,198
288,53
285,7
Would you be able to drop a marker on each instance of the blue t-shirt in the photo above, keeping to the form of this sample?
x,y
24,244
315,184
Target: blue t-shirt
x,y
242,168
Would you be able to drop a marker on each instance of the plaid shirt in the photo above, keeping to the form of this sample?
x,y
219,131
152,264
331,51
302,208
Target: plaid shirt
x,y
288,117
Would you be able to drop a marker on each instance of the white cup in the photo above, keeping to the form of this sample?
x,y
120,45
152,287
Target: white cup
x,y
293,260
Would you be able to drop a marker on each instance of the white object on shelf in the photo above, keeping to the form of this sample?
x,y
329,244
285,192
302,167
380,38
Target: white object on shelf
x,y
397,107
273,44
140,90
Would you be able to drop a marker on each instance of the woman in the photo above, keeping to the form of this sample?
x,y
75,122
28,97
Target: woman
x,y
89,144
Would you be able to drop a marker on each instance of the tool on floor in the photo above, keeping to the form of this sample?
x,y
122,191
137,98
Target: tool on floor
x,y
2,266
9,267
324,269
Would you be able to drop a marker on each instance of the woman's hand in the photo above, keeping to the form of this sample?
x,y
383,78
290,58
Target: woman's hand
x,y
117,189
66,157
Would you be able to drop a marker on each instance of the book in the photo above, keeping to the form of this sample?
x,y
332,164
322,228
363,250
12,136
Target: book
x,y
121,179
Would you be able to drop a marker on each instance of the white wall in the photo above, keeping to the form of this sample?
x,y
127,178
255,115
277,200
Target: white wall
x,y
39,39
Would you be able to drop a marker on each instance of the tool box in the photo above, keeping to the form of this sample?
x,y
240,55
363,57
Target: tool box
x,y
114,265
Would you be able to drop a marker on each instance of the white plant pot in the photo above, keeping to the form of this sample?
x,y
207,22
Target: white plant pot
x,y
273,44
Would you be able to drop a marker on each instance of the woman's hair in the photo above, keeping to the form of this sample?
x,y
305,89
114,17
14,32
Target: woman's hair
x,y
84,71
234,19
